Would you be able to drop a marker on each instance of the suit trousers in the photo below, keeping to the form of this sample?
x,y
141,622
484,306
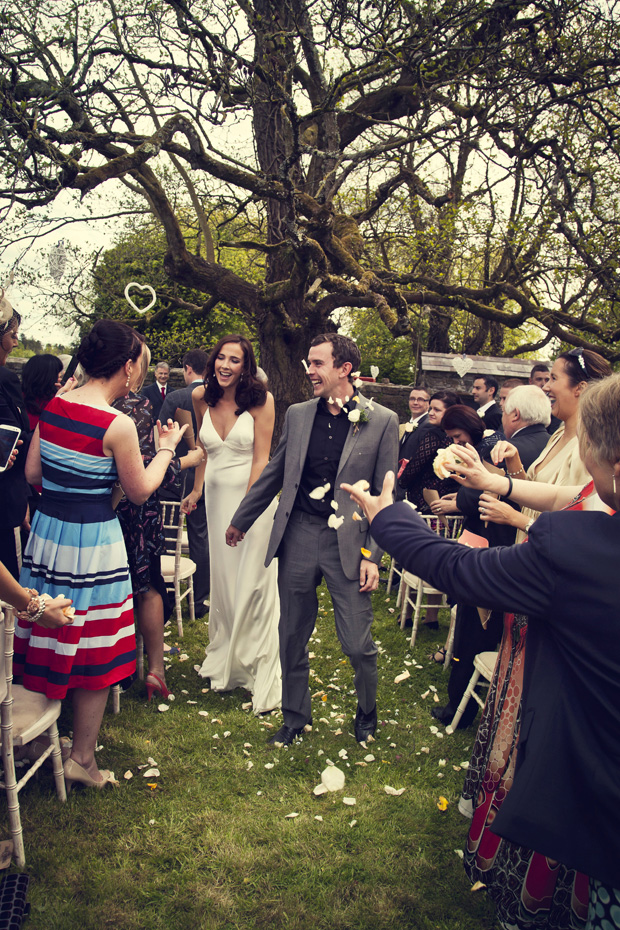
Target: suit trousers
x,y
198,542
307,554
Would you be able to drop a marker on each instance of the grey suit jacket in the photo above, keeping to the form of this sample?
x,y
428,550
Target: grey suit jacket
x,y
369,452
181,398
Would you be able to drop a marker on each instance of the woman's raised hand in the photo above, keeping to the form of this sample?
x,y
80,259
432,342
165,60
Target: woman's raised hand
x,y
169,434
503,450
469,470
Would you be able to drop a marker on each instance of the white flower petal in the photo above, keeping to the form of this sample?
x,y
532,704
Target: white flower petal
x,y
394,792
151,773
128,774
162,708
350,802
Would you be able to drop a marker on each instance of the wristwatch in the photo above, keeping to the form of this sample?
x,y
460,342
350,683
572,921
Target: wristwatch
x,y
529,525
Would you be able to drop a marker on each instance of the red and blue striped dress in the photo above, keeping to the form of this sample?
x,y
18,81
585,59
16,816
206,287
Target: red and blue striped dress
x,y
76,549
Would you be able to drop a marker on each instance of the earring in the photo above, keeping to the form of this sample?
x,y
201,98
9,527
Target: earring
x,y
613,477
128,379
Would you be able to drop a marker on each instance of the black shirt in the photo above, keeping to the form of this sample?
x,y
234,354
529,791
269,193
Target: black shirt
x,y
327,439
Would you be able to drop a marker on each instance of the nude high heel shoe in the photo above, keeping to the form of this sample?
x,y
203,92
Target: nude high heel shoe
x,y
75,773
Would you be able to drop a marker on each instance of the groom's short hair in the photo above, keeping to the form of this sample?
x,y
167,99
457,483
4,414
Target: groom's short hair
x,y
343,350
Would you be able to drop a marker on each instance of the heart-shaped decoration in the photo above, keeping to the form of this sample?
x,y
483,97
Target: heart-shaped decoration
x,y
141,287
462,365
374,371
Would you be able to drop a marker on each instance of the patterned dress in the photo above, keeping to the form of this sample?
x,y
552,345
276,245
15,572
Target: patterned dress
x,y
531,892
76,549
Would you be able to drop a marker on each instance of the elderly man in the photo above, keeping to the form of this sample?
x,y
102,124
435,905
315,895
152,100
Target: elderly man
x,y
527,413
156,392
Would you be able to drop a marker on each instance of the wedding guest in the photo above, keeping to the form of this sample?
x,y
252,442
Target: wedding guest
x,y
564,802
13,485
40,377
484,392
418,473
144,534
79,449
157,391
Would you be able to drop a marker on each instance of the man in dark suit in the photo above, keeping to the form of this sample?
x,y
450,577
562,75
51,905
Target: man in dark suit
x,y
484,392
157,391
539,375
194,367
419,399
337,436
526,415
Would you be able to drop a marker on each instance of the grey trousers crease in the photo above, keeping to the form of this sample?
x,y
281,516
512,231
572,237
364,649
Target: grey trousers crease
x,y
308,553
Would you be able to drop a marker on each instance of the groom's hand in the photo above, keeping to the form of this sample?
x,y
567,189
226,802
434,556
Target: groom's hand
x,y
233,536
369,576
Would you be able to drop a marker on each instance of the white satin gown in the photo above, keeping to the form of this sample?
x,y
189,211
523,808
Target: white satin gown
x,y
243,650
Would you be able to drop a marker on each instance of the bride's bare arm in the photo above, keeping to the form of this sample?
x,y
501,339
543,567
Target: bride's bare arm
x,y
264,419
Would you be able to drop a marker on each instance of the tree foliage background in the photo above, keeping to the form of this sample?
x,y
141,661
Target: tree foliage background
x,y
449,166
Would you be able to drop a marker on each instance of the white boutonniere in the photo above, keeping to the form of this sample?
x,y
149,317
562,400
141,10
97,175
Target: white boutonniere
x,y
358,415
409,427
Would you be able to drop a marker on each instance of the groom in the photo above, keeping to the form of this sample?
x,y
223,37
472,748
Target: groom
x,y
338,436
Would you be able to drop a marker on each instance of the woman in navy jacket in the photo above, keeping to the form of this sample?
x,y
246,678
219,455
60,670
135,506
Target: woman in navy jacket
x,y
565,801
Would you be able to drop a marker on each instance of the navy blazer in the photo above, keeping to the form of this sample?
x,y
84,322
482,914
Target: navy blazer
x,y
153,392
13,485
493,417
565,800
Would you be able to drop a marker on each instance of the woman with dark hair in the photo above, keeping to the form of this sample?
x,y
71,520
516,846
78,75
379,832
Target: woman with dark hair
x,y
79,449
418,473
235,417
39,384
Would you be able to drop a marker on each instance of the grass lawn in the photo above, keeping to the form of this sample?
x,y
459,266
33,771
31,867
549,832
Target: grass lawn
x,y
207,843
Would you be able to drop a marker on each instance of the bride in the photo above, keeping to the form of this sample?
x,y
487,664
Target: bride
x,y
235,417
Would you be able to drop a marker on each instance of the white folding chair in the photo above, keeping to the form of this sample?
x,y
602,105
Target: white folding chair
x,y
412,588
484,664
395,569
177,568
24,716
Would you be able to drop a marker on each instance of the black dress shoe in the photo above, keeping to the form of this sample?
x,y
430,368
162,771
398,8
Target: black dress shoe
x,y
430,624
443,714
285,736
365,724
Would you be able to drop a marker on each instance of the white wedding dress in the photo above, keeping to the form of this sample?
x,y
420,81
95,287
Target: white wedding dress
x,y
243,649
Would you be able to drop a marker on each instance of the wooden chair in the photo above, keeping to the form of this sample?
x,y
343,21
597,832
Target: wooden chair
x,y
24,716
484,664
176,568
412,588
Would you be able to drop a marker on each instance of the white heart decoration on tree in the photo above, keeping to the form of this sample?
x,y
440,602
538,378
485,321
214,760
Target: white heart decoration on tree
x,y
462,365
141,287
374,371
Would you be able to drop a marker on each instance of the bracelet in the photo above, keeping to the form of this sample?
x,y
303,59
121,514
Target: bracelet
x,y
171,451
34,610
509,491
513,474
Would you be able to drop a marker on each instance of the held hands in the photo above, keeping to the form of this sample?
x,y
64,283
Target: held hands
x,y
369,504
53,616
497,511
233,536
194,458
446,504
189,503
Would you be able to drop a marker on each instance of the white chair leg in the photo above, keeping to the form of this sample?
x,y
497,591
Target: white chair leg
x,y
416,614
59,774
473,681
177,601
399,596
390,577
190,597
404,589
450,640
116,699
12,799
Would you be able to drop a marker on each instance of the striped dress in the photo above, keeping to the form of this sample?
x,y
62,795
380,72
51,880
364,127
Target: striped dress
x,y
76,549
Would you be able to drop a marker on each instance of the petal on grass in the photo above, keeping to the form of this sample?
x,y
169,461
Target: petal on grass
x,y
333,778
393,792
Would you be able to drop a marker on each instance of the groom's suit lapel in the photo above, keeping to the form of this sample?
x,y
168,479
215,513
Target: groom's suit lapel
x,y
308,413
352,436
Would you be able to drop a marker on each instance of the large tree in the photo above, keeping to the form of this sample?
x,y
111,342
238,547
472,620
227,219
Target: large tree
x,y
480,136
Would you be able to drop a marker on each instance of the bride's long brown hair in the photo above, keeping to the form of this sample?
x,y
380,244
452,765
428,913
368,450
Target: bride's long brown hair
x,y
250,392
